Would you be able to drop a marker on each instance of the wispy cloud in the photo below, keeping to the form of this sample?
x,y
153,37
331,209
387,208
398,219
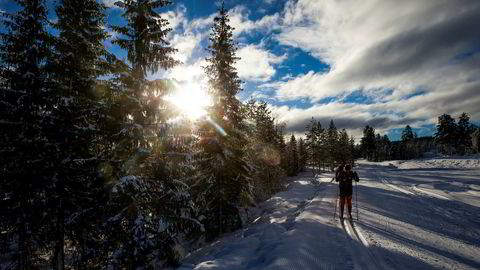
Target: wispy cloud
x,y
385,50
402,46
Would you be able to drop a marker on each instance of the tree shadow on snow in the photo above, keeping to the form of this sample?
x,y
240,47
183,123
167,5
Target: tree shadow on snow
x,y
454,220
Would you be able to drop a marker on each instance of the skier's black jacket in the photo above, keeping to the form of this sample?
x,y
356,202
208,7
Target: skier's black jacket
x,y
345,179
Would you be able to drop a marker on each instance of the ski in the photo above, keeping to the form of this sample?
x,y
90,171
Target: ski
x,y
351,222
342,222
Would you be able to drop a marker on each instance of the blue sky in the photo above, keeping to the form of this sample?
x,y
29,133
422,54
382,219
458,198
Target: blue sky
x,y
384,63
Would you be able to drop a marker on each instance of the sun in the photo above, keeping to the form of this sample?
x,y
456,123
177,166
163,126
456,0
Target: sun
x,y
191,100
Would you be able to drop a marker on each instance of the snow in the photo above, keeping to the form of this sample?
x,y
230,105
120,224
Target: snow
x,y
418,214
472,162
130,181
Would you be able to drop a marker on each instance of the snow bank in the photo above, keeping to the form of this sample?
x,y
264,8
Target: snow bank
x,y
468,162
278,214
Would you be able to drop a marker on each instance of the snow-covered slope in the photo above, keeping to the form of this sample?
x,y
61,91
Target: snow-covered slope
x,y
413,217
437,162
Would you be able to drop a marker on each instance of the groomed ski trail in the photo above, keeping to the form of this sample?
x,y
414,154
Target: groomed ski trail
x,y
399,227
424,229
306,238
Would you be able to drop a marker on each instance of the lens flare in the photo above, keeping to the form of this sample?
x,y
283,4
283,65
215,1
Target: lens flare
x,y
191,99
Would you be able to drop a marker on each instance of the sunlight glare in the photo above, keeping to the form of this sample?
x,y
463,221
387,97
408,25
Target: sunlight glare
x,y
191,100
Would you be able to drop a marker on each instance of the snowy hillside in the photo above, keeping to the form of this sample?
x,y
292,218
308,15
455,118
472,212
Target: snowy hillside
x,y
412,215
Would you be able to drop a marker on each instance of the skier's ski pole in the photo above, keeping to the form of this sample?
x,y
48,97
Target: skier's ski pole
x,y
356,198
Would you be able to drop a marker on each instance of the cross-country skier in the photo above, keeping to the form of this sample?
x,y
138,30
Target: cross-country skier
x,y
337,171
345,179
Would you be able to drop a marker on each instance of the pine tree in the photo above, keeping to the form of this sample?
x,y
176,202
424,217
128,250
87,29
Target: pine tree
x,y
324,149
263,150
464,132
282,146
344,148
302,155
407,146
407,134
222,74
332,144
353,154
378,148
27,167
222,187
144,38
79,59
386,147
446,134
476,140
292,156
368,143
311,143
148,206
317,144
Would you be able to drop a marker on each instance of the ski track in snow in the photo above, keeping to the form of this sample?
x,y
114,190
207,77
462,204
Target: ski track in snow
x,y
415,217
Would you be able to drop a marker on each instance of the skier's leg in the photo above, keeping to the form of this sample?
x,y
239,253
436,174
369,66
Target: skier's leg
x,y
349,205
342,205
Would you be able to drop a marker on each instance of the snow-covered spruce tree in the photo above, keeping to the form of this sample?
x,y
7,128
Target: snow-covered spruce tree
x,y
78,61
148,207
222,182
26,158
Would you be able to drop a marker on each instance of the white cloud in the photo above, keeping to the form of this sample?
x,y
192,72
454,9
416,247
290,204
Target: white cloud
x,y
111,3
242,24
351,117
372,45
176,18
259,95
287,77
256,63
185,44
189,72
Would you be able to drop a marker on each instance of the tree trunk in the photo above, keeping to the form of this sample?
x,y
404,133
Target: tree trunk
x,y
59,254
22,247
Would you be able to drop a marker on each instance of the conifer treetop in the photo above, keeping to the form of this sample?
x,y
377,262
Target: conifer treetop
x,y
145,37
221,72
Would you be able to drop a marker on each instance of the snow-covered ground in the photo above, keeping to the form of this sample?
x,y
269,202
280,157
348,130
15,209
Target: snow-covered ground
x,y
412,215
472,162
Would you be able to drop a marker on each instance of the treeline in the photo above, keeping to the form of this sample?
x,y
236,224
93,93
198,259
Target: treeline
x,y
295,156
459,138
326,148
92,173
450,138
